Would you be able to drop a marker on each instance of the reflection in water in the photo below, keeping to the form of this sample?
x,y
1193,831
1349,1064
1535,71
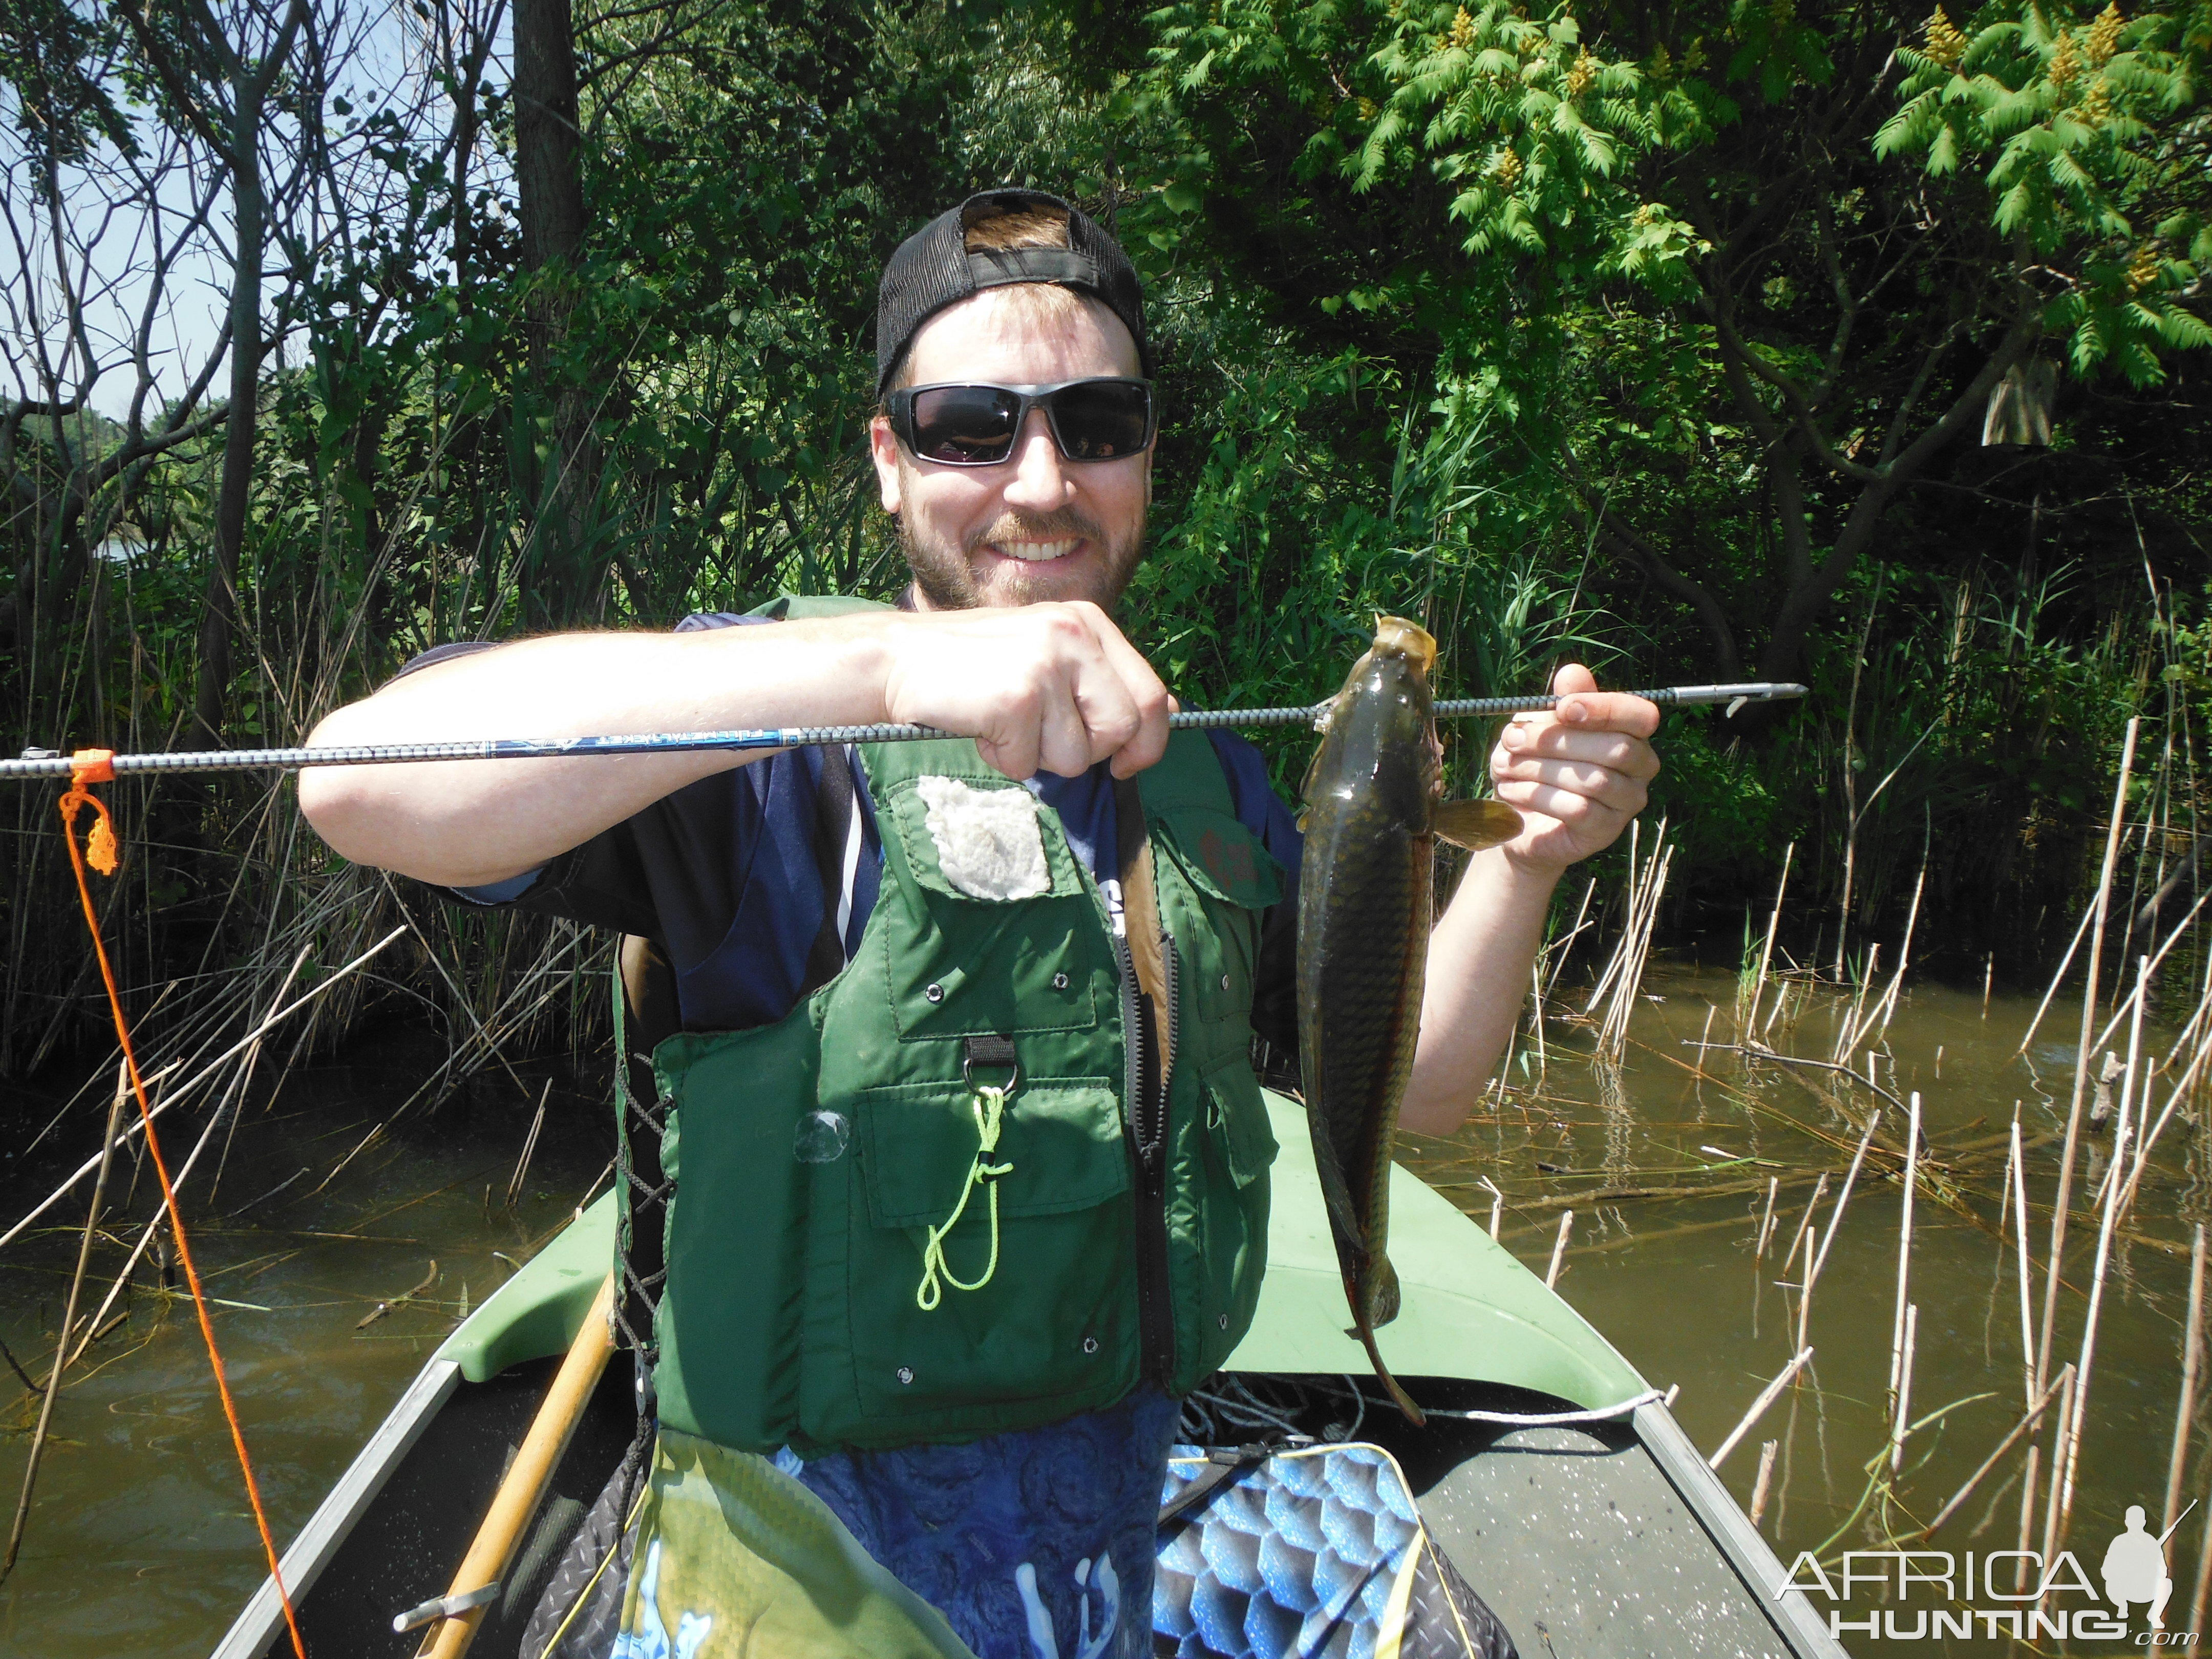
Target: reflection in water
x,y
141,1543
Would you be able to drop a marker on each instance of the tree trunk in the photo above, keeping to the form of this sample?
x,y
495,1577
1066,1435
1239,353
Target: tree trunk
x,y
218,618
563,460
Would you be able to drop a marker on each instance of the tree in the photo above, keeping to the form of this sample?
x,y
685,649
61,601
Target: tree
x,y
1686,251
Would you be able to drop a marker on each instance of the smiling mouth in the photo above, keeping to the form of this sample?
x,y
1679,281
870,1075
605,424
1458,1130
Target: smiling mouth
x,y
1037,552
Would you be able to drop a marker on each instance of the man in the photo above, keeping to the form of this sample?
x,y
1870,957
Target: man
x,y
932,1233
2135,1571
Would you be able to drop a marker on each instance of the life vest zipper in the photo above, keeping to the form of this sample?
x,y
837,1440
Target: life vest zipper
x,y
1144,1122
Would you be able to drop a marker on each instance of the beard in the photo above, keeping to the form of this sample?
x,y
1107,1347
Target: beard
x,y
946,571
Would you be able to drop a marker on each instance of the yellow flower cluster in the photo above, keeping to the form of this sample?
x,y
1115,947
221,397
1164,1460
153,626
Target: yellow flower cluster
x,y
1369,109
1945,44
2143,269
1505,168
1463,29
1581,74
2105,36
2065,64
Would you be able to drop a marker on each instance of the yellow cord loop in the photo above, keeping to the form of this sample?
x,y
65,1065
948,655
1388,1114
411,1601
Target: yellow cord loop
x,y
989,1105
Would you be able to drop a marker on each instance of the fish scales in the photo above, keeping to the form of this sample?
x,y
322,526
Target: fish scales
x,y
1365,908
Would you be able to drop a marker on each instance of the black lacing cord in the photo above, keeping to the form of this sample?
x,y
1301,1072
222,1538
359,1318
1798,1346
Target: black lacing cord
x,y
641,1258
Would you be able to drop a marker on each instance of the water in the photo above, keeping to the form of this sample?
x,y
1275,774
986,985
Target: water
x,y
140,1542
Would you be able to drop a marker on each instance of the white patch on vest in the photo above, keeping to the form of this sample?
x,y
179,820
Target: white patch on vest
x,y
988,841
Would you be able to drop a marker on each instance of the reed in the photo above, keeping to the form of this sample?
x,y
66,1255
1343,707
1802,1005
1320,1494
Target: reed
x,y
2192,1353
1901,1335
1767,1221
1835,1222
2062,1468
1819,1191
2019,1235
1559,1247
1767,1396
68,1323
1761,1487
2060,1203
1903,1388
2034,1411
1746,1019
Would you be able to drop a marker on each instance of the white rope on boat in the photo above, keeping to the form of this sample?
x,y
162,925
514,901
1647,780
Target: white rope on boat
x,y
1552,1419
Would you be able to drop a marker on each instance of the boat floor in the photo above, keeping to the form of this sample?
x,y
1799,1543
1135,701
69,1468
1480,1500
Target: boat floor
x,y
1576,1536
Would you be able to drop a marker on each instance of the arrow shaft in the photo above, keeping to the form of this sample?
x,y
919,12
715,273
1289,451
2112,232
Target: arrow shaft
x,y
42,765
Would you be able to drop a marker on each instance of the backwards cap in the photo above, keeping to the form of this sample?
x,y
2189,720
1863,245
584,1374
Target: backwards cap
x,y
932,269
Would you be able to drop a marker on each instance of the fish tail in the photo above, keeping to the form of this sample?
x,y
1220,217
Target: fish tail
x,y
1413,1414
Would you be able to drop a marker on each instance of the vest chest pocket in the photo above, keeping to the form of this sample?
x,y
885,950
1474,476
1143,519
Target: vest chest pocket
x,y
1003,937
1219,860
1052,1311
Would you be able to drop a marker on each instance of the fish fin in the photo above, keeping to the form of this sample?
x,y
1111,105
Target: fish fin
x,y
1475,824
1387,1295
1404,1402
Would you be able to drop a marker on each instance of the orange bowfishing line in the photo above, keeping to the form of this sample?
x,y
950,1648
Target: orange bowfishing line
x,y
89,766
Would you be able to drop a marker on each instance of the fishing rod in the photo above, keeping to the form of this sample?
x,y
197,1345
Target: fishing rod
x,y
49,763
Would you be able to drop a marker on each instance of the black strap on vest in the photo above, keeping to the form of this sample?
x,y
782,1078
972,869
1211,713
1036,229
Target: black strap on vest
x,y
835,809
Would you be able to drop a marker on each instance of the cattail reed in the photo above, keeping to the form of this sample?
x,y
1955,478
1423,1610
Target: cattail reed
x,y
1899,1337
2192,1351
1761,1486
1767,1396
1559,1247
1835,1221
2065,1192
1904,1385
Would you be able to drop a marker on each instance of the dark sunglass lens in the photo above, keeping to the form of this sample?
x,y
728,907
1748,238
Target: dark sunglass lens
x,y
1102,420
962,425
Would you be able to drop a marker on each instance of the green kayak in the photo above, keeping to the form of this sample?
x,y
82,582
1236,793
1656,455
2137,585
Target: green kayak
x,y
1550,1474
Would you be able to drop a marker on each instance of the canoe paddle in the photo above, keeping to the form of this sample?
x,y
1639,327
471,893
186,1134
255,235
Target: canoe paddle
x,y
49,763
477,1583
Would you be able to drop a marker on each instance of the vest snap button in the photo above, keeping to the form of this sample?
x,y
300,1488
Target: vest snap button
x,y
1225,1321
935,993
1090,1344
906,1373
1059,982
1225,982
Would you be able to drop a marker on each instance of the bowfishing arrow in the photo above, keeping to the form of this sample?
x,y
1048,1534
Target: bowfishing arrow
x,y
47,763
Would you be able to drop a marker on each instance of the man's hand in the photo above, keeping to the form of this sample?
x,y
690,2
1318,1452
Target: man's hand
x,y
1577,774
1051,688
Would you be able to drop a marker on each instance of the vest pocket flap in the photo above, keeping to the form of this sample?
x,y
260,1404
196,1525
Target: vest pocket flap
x,y
982,839
1222,857
1238,1116
1060,1142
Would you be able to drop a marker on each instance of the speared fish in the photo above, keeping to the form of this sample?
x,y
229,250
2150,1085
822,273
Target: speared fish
x,y
1373,814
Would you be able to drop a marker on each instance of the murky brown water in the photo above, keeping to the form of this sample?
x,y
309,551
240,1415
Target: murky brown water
x,y
140,1542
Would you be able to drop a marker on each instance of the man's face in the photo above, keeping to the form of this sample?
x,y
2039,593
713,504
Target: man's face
x,y
1036,526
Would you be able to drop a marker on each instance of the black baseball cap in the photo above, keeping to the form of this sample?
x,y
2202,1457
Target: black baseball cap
x,y
932,269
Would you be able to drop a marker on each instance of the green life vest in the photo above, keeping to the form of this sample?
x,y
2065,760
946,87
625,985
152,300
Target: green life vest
x,y
868,1247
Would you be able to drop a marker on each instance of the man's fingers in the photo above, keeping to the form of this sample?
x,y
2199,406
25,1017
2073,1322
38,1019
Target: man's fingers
x,y
1545,739
1608,711
1616,789
1149,702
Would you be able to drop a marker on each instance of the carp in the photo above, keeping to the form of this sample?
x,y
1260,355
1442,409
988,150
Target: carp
x,y
1373,814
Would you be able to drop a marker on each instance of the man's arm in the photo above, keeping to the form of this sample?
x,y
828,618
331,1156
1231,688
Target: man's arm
x,y
1577,774
1051,687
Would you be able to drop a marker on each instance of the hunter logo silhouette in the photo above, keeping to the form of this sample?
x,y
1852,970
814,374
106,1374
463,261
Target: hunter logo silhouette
x,y
2134,1570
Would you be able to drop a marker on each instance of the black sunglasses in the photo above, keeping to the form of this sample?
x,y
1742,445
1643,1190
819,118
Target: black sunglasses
x,y
962,425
